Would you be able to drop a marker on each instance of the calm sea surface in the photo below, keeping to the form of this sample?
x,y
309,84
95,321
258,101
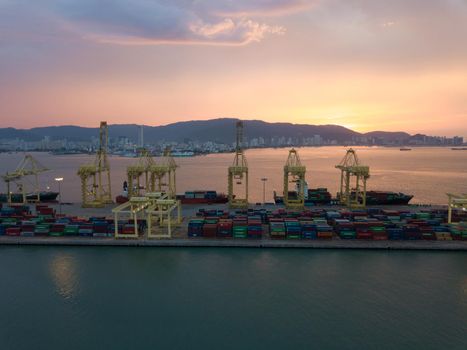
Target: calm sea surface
x,y
169,298
427,173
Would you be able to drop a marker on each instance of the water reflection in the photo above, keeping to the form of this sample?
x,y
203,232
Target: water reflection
x,y
63,269
464,290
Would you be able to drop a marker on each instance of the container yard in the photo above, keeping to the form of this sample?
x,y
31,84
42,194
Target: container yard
x,y
262,227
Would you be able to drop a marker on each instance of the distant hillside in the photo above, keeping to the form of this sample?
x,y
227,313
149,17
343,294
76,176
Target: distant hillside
x,y
389,136
218,130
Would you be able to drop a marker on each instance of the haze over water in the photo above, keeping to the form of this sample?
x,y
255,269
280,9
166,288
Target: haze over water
x,y
427,173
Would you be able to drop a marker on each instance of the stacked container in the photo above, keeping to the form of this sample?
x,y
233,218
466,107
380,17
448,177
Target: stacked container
x,y
28,228
100,228
42,229
240,226
57,229
378,230
362,230
195,227
459,230
344,228
324,231
224,228
255,227
71,230
308,228
395,233
319,195
292,228
86,229
210,227
276,228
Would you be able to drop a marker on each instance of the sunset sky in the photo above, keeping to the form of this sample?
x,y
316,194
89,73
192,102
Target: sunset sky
x,y
367,65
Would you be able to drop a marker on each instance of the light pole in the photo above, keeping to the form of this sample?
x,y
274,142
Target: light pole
x,y
264,179
59,180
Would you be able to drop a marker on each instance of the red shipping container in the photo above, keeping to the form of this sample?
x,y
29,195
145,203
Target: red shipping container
x,y
13,231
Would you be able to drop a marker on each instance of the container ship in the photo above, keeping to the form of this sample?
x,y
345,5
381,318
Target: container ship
x,y
387,198
321,196
202,197
189,197
18,197
314,196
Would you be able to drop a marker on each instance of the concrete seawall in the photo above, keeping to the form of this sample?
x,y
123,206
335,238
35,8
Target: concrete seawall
x,y
235,243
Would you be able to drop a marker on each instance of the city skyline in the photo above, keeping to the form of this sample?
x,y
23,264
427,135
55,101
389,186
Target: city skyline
x,y
197,137
363,65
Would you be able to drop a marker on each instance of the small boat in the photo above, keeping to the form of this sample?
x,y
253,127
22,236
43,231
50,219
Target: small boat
x,y
405,149
459,148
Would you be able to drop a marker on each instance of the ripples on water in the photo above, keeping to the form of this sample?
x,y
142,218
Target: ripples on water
x,y
63,271
127,298
427,173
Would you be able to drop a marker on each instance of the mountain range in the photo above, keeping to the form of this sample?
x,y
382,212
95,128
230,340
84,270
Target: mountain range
x,y
220,130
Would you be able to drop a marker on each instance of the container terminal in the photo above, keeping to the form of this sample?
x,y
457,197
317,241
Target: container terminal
x,y
150,213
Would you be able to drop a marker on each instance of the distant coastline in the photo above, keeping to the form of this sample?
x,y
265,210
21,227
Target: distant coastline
x,y
197,154
209,136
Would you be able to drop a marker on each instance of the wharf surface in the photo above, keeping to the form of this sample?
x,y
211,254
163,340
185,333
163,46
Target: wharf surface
x,y
190,210
236,243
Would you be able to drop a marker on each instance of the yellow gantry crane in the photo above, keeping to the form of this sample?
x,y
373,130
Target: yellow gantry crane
x,y
21,177
140,176
353,181
238,173
95,177
456,201
161,213
171,173
294,172
163,175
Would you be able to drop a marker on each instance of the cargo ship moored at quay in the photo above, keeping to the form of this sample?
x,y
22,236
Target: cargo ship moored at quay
x,y
202,197
321,196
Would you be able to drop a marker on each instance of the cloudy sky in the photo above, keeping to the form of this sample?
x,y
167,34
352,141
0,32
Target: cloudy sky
x,y
364,64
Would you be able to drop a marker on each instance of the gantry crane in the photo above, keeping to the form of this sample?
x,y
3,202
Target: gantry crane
x,y
171,174
28,167
238,173
95,177
456,201
163,175
139,175
353,181
294,172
